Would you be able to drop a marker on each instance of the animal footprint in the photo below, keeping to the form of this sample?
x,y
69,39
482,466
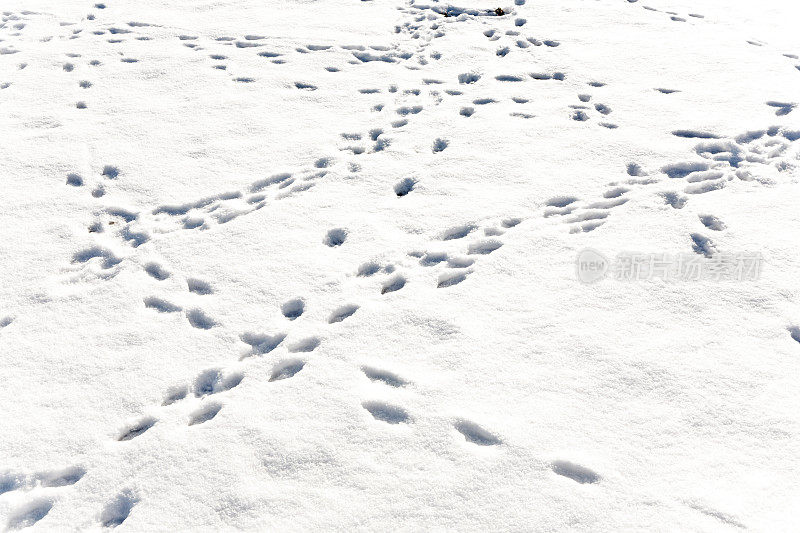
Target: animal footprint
x,y
335,237
136,429
156,271
448,279
30,513
293,309
475,434
205,413
308,344
386,413
384,376
199,287
286,369
213,381
395,283
342,313
198,319
262,343
404,186
575,472
117,510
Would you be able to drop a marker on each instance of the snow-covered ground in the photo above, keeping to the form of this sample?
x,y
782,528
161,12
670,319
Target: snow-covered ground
x,y
311,265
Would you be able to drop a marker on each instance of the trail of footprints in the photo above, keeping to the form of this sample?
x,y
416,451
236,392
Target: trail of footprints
x,y
205,391
721,161
215,381
758,156
673,15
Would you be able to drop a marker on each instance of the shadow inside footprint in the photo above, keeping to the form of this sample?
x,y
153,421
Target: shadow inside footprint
x,y
395,283
205,413
198,286
476,434
118,509
575,472
448,279
262,343
200,320
212,381
389,378
386,413
137,429
305,345
335,237
286,369
293,309
342,312
62,478
30,513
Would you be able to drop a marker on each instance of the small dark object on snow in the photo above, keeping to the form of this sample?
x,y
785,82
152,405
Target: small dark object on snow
x,y
499,12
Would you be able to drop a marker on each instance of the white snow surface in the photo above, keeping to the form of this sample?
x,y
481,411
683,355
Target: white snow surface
x,y
310,265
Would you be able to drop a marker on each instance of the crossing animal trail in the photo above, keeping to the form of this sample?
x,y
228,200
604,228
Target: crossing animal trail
x,y
451,259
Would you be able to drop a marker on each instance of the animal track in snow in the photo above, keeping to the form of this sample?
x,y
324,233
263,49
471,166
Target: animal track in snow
x,y
160,305
475,434
439,145
404,186
198,286
29,513
457,232
368,269
156,271
341,313
385,412
694,134
309,344
111,172
293,309
782,108
63,477
575,472
674,199
395,283
712,222
484,247
175,394
109,260
118,509
205,413
448,279
335,237
137,428
214,381
383,376
702,245
198,319
286,369
262,343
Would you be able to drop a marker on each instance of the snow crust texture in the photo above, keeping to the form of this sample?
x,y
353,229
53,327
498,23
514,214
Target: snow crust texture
x,y
311,265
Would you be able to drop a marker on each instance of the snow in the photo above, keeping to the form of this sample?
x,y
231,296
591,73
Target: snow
x,y
312,265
